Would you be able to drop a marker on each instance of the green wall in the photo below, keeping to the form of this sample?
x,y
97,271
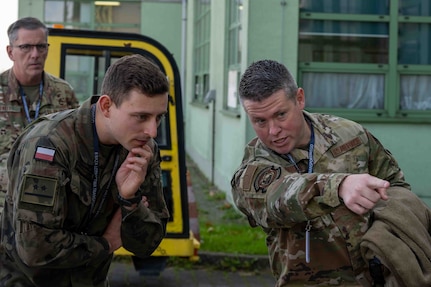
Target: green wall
x,y
410,145
163,22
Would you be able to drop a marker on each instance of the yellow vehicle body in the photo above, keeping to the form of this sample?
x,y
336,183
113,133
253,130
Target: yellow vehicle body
x,y
81,58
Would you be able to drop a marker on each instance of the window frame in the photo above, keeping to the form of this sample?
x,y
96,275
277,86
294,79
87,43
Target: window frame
x,y
392,70
233,60
201,50
93,11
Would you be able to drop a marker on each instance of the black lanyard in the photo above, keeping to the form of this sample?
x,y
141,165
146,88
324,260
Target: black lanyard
x,y
24,101
310,153
310,170
96,167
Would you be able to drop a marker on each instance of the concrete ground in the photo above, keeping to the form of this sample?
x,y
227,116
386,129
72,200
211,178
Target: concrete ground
x,y
123,274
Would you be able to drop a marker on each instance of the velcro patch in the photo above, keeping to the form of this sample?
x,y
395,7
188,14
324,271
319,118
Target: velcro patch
x,y
339,150
38,190
248,177
45,154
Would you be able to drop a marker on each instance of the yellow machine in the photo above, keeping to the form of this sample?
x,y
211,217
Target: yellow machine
x,y
82,58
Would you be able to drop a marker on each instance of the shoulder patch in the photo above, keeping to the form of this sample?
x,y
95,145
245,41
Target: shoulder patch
x,y
38,190
44,153
265,177
339,150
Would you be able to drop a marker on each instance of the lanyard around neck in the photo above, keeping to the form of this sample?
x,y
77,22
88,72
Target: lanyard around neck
x,y
310,170
310,152
96,166
24,101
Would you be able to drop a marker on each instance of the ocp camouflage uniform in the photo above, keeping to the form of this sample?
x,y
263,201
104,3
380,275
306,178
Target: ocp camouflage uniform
x,y
57,95
268,189
51,233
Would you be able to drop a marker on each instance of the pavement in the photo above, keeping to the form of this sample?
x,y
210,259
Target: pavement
x,y
123,274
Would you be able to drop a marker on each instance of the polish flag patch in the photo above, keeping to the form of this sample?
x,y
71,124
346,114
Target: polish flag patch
x,y
44,153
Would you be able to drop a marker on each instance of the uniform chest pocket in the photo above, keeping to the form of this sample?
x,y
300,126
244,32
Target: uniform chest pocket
x,y
82,187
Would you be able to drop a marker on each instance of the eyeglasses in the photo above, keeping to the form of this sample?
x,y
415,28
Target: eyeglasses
x,y
26,48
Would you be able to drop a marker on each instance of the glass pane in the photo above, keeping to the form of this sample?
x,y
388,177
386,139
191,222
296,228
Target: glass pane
x,y
379,7
415,92
343,42
55,11
197,92
232,47
232,96
235,9
122,18
79,74
414,44
337,90
162,132
86,15
202,22
415,7
68,12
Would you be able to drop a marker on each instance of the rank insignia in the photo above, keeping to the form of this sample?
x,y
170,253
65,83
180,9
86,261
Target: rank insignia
x,y
265,177
38,191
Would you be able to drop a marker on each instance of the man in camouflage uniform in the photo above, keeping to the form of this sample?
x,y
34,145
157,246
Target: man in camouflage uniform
x,y
85,182
26,91
310,181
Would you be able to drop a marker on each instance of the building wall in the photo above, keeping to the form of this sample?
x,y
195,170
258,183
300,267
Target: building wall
x,y
34,8
163,22
410,144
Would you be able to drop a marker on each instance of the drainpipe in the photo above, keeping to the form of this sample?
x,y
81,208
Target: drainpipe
x,y
211,97
183,52
283,29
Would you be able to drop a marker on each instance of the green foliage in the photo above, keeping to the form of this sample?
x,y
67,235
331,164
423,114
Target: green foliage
x,y
234,264
224,229
233,238
181,262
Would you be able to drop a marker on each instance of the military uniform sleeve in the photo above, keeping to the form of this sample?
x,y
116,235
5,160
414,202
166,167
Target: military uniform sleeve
x,y
383,165
143,228
58,95
272,197
44,235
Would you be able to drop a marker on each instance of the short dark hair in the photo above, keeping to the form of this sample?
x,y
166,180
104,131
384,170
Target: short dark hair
x,y
265,77
133,72
28,23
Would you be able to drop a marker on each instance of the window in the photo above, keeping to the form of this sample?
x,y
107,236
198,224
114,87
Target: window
x,y
120,16
414,59
201,49
231,101
366,59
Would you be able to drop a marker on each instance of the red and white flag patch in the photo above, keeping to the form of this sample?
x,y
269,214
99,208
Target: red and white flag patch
x,y
44,153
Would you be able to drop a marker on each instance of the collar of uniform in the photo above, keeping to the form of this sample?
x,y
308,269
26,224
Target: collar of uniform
x,y
13,93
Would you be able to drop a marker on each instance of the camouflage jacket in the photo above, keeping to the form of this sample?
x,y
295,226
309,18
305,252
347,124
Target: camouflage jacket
x,y
57,95
52,225
270,191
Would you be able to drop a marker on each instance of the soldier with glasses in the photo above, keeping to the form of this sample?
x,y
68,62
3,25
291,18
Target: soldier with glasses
x,y
26,90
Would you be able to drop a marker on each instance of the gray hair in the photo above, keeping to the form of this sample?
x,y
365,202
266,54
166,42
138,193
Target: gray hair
x,y
28,23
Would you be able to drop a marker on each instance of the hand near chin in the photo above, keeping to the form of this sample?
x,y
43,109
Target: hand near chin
x,y
133,170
